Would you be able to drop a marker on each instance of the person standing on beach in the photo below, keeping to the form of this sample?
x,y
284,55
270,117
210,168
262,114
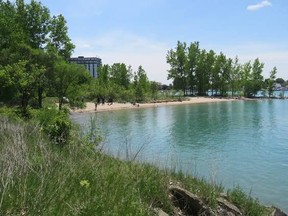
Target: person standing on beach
x,y
95,105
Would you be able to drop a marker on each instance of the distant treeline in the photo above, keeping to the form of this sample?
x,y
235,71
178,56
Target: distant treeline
x,y
197,71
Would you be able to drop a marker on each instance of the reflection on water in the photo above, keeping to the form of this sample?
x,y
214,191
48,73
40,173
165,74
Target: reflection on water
x,y
233,143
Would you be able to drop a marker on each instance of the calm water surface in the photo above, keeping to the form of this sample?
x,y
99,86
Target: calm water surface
x,y
241,143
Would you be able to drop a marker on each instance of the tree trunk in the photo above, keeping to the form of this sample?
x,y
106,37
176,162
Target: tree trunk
x,y
24,103
40,96
60,103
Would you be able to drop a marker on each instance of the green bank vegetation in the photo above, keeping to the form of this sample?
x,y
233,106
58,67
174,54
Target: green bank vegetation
x,y
40,175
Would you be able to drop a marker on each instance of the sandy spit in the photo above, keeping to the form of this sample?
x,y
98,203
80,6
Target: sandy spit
x,y
90,106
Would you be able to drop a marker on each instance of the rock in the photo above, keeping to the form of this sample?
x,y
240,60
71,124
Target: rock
x,y
278,212
189,202
229,207
160,212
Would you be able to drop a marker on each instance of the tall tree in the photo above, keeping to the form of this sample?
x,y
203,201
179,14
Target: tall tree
x,y
226,75
202,73
121,75
257,78
59,41
192,61
177,59
271,81
67,79
141,84
246,79
235,76
36,20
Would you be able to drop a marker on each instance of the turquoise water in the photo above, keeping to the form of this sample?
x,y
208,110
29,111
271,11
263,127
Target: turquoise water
x,y
241,143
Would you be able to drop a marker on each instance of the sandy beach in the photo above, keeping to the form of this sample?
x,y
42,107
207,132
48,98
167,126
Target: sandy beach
x,y
90,107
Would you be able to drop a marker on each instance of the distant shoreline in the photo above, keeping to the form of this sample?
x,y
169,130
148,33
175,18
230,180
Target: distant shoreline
x,y
90,106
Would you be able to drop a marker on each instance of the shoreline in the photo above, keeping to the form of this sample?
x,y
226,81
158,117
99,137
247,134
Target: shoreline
x,y
90,106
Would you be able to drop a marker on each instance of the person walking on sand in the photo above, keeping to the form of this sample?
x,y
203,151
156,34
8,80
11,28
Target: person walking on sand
x,y
95,105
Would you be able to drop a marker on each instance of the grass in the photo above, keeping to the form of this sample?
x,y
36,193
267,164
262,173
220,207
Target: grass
x,y
38,178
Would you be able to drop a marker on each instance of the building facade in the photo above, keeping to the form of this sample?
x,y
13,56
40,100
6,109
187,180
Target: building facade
x,y
90,63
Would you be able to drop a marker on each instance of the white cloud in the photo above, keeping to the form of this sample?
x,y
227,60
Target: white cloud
x,y
259,5
270,54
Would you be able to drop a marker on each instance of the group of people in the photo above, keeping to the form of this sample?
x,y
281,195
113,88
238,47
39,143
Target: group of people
x,y
101,100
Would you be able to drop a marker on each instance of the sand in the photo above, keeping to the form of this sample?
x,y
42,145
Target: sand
x,y
90,107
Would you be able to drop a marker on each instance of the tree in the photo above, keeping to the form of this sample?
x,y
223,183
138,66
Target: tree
x,y
281,81
22,77
202,73
246,79
192,61
154,89
235,77
257,78
271,81
141,84
35,39
59,41
35,21
178,65
68,79
226,75
121,75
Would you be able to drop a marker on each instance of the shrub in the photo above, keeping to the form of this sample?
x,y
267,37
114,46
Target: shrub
x,y
56,124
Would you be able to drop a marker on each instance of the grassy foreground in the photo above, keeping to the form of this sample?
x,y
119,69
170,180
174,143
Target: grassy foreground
x,y
39,178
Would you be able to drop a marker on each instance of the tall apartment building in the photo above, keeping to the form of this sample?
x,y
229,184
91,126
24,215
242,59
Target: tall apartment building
x,y
90,63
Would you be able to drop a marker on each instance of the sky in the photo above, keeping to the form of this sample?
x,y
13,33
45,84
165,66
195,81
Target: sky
x,y
140,32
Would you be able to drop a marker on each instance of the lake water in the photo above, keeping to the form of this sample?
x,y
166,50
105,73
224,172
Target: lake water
x,y
235,143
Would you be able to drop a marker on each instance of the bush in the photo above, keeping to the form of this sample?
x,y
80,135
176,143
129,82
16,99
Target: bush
x,y
56,124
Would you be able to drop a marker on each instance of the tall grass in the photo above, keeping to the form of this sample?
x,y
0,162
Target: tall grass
x,y
39,178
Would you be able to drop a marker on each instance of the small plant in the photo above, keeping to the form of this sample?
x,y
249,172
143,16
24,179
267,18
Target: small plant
x,y
85,183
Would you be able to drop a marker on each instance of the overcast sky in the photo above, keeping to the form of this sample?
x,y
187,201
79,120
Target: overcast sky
x,y
140,32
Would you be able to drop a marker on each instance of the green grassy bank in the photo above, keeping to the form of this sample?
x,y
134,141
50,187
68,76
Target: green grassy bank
x,y
39,177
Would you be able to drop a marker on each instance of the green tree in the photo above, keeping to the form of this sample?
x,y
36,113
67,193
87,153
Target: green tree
x,y
202,72
141,84
59,41
177,59
281,81
22,77
192,61
226,75
121,75
235,77
68,79
257,78
35,22
271,81
33,34
246,79
154,89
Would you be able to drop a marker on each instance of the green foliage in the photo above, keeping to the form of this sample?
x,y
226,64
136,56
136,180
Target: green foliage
x,y
178,60
28,51
56,124
68,80
197,71
251,206
271,81
141,85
